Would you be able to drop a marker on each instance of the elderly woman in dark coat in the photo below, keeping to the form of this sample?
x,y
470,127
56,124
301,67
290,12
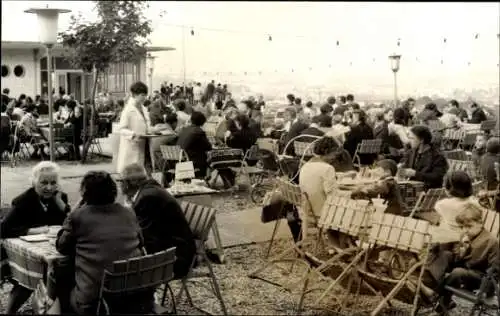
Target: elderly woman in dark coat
x,y
424,162
32,212
99,232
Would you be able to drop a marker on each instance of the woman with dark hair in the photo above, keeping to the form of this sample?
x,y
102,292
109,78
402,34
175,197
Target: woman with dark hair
x,y
317,176
99,232
424,162
193,140
359,131
458,186
29,132
134,123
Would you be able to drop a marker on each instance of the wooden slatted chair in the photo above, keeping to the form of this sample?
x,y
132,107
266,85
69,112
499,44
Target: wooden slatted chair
x,y
290,193
225,158
488,125
367,147
172,154
351,218
401,235
453,137
467,166
469,140
427,200
200,219
456,154
481,304
136,274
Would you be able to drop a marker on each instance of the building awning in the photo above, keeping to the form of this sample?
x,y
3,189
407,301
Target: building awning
x,y
58,48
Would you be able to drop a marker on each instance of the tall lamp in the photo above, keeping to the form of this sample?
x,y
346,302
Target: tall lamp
x,y
151,66
47,32
395,59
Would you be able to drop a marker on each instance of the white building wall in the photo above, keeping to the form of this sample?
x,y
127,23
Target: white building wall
x,y
25,84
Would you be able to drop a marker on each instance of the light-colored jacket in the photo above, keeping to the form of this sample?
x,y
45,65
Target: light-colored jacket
x,y
132,148
317,179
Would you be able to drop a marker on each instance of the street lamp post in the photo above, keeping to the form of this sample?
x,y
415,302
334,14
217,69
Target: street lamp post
x,y
47,32
395,59
151,66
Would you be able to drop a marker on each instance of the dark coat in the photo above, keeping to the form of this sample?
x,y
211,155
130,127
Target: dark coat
x,y
478,116
294,131
28,212
195,142
430,165
97,235
242,139
382,132
340,110
164,225
354,137
488,170
313,131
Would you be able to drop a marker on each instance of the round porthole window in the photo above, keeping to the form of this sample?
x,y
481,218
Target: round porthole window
x,y
5,71
19,71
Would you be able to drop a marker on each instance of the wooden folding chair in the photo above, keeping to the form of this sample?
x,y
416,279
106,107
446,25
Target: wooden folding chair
x,y
456,154
453,137
351,218
173,154
399,234
136,274
225,158
469,140
488,125
366,147
467,166
427,200
291,194
200,219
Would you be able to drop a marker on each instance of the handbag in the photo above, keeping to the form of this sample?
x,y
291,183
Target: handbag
x,y
42,303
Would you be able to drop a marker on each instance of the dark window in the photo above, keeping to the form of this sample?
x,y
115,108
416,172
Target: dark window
x,y
5,70
19,71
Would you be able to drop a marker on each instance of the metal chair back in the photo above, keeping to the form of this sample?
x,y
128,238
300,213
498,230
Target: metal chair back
x,y
222,158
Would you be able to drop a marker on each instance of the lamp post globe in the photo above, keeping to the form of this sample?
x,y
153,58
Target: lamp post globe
x,y
395,60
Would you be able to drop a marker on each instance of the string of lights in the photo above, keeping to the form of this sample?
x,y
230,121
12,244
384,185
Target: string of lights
x,y
195,31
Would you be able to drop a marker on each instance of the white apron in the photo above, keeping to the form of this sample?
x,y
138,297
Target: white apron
x,y
132,149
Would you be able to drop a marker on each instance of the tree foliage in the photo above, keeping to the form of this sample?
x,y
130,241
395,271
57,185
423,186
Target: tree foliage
x,y
119,35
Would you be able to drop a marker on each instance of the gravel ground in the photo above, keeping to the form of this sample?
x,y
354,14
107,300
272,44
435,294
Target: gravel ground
x,y
245,296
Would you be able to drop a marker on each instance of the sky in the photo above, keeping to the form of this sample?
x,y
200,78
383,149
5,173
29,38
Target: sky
x,y
304,37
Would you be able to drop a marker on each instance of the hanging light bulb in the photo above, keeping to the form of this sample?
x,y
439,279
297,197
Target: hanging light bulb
x,y
442,62
292,69
270,38
399,42
338,43
468,64
476,36
192,32
444,40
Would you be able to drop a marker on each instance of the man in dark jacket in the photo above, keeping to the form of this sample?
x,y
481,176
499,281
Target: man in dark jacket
x,y
296,127
478,115
312,130
458,111
160,216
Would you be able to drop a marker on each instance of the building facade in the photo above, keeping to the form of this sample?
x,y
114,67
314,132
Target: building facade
x,y
24,71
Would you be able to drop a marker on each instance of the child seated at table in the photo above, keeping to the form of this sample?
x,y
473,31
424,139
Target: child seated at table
x,y
387,188
468,260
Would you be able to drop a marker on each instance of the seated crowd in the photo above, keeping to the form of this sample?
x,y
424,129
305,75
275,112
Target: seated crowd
x,y
410,149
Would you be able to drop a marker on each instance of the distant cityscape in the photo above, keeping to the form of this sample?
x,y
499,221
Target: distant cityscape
x,y
274,89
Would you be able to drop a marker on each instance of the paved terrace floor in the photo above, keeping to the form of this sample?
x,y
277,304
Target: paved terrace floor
x,y
237,224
